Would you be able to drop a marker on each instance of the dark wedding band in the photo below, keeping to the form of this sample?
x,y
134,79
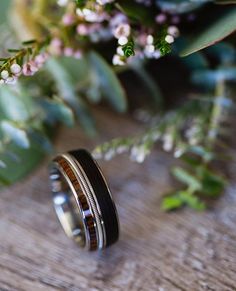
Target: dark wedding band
x,y
83,201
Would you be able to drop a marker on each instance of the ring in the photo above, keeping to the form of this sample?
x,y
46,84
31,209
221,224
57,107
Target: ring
x,y
83,201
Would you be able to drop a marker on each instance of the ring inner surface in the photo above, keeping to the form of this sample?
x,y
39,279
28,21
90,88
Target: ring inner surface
x,y
66,208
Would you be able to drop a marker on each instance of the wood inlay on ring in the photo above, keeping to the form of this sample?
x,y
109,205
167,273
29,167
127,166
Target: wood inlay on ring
x,y
82,199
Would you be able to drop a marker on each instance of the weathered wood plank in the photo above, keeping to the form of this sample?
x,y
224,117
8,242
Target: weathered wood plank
x,y
157,251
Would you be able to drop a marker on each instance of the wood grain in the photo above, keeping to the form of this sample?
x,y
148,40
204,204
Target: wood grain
x,y
157,251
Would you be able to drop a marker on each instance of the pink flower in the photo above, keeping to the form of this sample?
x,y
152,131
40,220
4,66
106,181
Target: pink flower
x,y
78,54
68,19
30,68
68,51
82,29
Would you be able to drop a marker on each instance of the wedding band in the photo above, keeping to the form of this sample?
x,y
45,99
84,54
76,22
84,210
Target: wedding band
x,y
83,201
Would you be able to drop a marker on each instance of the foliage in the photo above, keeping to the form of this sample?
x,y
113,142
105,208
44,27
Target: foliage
x,y
59,57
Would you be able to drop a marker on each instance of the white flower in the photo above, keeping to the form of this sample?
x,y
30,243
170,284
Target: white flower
x,y
120,51
117,20
150,39
173,30
104,2
122,40
4,74
121,149
169,38
97,153
15,69
117,61
149,49
138,153
89,15
109,154
62,2
122,30
179,152
168,142
156,54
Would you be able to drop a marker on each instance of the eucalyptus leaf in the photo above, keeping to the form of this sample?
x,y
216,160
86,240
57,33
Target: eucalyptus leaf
x,y
109,83
64,77
27,160
57,110
209,78
15,104
16,134
42,141
223,52
5,4
179,6
2,164
221,28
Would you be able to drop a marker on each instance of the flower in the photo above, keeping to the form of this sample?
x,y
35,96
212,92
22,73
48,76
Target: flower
x,y
117,60
122,30
68,51
161,18
139,153
4,74
123,40
168,142
82,29
169,38
104,2
62,2
173,30
68,19
15,69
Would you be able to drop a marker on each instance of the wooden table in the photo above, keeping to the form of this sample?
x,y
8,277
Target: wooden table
x,y
161,251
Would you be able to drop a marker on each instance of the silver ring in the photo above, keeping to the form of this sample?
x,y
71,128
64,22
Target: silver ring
x,y
83,201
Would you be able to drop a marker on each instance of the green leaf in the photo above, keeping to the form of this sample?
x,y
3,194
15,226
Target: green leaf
x,y
191,200
5,4
221,28
57,110
171,203
186,178
2,164
16,134
40,140
179,6
109,83
182,198
212,184
15,104
224,52
64,74
209,78
202,152
27,160
136,12
4,182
